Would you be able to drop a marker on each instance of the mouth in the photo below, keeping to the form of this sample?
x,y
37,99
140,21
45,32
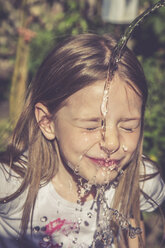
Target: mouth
x,y
111,164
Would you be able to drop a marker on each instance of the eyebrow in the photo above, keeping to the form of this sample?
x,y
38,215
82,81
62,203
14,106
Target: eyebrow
x,y
131,119
92,119
97,119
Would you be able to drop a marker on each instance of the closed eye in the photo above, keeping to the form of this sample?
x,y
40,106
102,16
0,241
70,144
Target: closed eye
x,y
129,125
130,130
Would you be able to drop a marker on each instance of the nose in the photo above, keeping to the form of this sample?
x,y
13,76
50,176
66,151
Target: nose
x,y
110,140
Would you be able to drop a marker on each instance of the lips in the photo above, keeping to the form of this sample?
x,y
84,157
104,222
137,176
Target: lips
x,y
111,163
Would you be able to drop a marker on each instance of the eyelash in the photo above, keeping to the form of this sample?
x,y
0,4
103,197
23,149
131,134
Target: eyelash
x,y
129,130
91,129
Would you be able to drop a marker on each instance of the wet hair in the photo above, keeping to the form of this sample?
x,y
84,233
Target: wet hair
x,y
73,64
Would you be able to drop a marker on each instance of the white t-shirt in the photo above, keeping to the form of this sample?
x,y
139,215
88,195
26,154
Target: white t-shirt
x,y
57,222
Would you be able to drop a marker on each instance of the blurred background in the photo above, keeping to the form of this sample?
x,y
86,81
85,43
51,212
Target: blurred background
x,y
30,28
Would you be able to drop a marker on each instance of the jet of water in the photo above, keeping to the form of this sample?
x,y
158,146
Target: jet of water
x,y
119,48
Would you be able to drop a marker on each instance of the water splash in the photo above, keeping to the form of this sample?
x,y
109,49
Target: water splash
x,y
104,234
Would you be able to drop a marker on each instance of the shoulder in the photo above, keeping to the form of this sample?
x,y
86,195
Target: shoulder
x,y
9,181
152,186
10,177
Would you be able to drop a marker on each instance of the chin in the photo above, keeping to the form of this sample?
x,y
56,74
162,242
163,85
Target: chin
x,y
101,178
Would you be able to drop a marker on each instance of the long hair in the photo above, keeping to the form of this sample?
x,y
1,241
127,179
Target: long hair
x,y
72,65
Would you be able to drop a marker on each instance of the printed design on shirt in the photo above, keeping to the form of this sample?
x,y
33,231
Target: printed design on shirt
x,y
58,227
63,226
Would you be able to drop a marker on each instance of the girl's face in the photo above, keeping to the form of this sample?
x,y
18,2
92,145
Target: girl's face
x,y
96,157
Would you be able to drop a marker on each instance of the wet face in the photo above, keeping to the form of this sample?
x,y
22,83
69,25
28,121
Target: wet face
x,y
78,131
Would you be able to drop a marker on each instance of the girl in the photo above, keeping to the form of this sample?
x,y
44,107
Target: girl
x,y
73,174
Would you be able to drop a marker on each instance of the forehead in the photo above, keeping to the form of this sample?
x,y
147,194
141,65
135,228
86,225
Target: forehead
x,y
122,97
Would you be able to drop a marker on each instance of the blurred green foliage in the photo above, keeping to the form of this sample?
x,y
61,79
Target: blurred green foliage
x,y
68,22
5,132
154,142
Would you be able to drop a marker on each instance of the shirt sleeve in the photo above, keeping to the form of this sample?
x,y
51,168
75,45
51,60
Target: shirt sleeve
x,y
153,188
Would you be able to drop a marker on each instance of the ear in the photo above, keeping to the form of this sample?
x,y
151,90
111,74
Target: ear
x,y
44,121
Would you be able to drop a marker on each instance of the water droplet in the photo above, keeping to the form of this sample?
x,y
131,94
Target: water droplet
x,y
44,219
86,223
43,228
78,201
79,220
36,229
74,240
76,170
46,238
89,214
117,60
87,186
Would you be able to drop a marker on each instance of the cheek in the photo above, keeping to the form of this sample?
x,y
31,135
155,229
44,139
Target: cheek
x,y
76,140
83,141
90,138
131,141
